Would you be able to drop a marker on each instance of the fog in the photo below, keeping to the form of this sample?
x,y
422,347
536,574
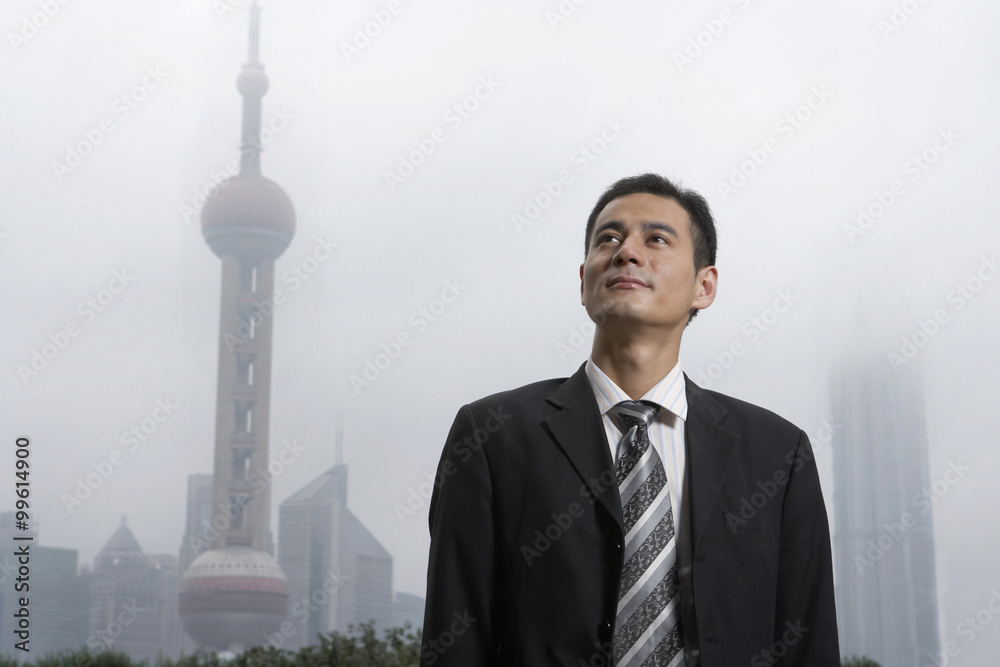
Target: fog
x,y
848,151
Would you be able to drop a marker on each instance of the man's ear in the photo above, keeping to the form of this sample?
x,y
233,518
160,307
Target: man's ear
x,y
581,286
706,287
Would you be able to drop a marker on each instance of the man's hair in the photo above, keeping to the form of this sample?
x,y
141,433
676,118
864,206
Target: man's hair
x,y
702,224
703,234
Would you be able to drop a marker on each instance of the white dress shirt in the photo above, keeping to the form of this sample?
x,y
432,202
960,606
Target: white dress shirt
x,y
666,433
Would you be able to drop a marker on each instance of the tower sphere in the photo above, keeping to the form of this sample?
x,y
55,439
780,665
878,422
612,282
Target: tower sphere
x,y
232,598
251,81
250,217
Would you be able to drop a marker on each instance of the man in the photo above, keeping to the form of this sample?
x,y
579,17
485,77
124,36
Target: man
x,y
625,516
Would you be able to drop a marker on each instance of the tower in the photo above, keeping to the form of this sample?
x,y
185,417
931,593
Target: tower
x,y
883,538
234,594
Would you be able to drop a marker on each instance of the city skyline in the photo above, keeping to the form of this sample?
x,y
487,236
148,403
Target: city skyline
x,y
113,295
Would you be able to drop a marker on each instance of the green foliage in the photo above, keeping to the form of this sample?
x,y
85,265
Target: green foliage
x,y
360,647
79,658
855,661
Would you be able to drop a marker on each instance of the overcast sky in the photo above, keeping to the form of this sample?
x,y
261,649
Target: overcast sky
x,y
789,117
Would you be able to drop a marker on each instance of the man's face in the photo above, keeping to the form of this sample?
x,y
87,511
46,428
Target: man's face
x,y
640,266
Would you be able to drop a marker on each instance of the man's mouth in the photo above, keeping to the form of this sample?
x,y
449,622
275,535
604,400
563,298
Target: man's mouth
x,y
627,282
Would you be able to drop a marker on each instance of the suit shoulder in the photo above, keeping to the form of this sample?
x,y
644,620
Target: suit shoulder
x,y
533,393
747,413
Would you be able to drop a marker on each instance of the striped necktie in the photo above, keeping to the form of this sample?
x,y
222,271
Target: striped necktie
x,y
647,625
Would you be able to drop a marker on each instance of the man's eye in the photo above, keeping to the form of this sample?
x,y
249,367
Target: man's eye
x,y
659,238
607,237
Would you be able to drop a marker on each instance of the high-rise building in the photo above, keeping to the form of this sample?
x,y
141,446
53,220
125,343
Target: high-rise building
x,y
198,519
171,634
234,595
59,596
339,574
408,608
883,532
197,535
60,601
8,573
127,599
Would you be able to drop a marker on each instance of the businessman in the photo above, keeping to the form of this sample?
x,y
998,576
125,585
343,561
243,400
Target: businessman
x,y
625,516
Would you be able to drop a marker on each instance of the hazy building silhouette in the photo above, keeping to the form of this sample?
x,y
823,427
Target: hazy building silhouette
x,y
198,519
234,594
408,608
197,533
338,573
883,532
60,601
171,634
59,596
127,599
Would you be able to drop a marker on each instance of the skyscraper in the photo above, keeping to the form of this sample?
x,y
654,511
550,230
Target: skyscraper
x,y
235,594
883,538
126,599
338,573
59,595
198,519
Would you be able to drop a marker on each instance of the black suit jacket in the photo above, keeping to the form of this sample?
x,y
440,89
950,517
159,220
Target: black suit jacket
x,y
526,535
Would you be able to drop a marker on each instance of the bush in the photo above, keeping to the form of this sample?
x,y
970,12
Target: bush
x,y
360,647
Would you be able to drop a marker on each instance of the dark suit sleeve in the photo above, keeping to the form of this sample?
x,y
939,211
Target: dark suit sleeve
x,y
460,613
805,614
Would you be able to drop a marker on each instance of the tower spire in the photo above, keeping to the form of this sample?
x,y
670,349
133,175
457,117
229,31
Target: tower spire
x,y
253,47
338,455
252,84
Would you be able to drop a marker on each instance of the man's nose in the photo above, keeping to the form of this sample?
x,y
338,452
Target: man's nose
x,y
628,255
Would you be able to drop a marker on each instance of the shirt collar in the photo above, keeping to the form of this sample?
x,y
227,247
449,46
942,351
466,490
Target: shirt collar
x,y
669,393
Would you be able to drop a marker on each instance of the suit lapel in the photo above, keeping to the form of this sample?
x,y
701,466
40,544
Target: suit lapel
x,y
579,431
711,450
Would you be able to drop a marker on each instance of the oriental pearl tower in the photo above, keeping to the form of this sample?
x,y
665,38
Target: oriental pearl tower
x,y
235,595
